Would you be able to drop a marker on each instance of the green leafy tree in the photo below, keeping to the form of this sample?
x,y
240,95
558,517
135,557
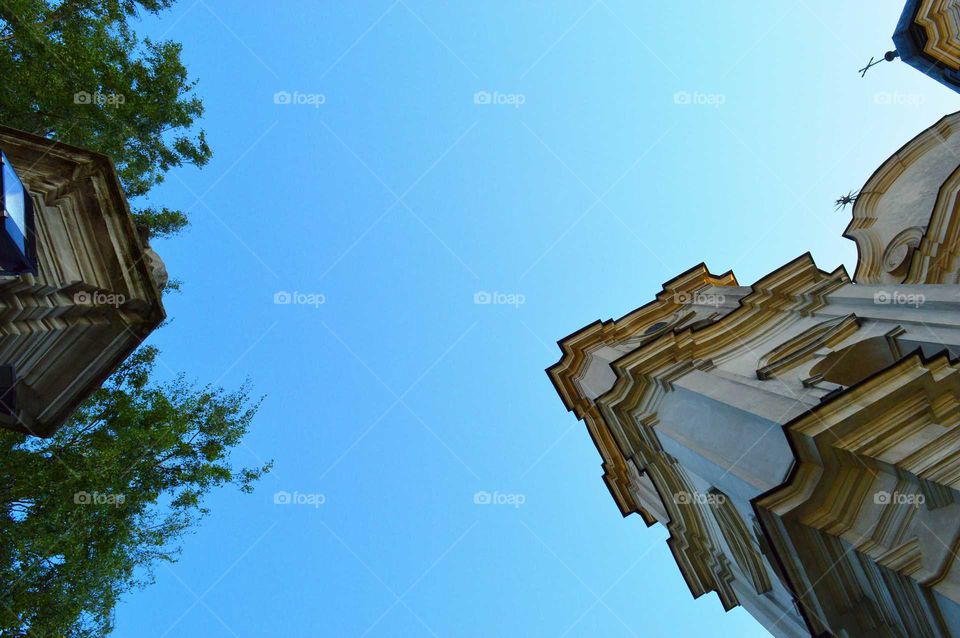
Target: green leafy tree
x,y
87,514
75,71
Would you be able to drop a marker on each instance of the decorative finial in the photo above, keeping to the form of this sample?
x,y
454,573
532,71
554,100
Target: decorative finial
x,y
846,200
889,56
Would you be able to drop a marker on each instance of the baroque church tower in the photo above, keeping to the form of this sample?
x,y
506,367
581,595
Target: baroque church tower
x,y
799,437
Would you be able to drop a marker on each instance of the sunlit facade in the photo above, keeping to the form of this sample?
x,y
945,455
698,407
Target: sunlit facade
x,y
799,437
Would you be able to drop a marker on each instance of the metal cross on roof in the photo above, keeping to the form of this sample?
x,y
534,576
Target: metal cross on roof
x,y
889,56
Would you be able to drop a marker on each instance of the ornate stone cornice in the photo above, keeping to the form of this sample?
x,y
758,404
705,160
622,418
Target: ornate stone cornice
x,y
927,38
95,296
685,412
576,352
940,20
936,259
799,349
876,256
798,288
577,346
877,470
623,420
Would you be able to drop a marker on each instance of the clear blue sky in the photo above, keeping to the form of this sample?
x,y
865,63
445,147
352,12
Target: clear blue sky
x,y
397,199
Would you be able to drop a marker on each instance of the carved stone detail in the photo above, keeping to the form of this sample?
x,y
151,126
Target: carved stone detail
x,y
94,297
941,23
